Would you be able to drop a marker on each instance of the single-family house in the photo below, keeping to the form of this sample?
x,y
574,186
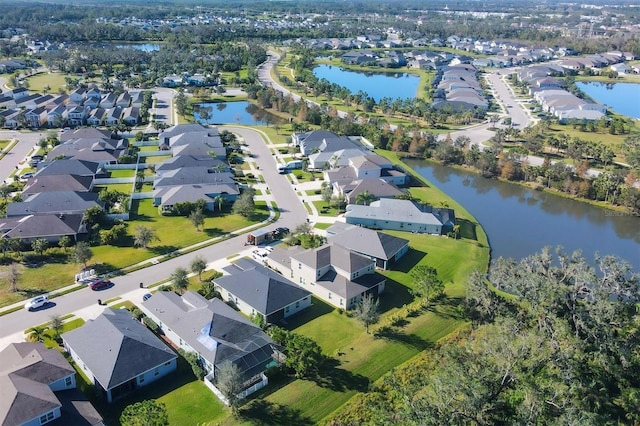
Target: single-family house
x,y
256,290
376,187
193,176
34,385
94,93
383,248
50,227
192,161
166,197
69,167
621,68
78,96
76,115
57,117
217,334
18,93
99,150
14,118
58,202
108,100
118,354
36,117
401,215
96,117
112,116
131,116
333,273
124,100
62,182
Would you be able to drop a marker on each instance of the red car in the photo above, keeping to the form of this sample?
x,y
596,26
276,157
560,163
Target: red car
x,y
100,284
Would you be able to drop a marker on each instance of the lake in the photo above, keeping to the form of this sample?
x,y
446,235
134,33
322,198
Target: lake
x,y
376,84
623,98
144,47
521,221
233,113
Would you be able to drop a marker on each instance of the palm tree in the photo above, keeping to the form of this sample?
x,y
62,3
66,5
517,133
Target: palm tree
x,y
144,236
456,230
37,334
219,200
365,198
180,279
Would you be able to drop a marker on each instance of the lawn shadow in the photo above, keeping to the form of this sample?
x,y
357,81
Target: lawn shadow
x,y
395,295
261,412
213,232
162,249
397,335
338,379
448,307
409,260
467,229
318,308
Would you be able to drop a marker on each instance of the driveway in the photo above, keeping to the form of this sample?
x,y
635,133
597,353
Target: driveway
x,y
85,301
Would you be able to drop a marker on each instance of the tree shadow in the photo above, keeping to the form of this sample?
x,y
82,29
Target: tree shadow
x,y
448,307
261,412
213,232
162,249
397,335
338,379
409,260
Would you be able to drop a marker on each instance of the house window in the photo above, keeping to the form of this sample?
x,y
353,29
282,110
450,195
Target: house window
x,y
329,295
156,371
297,304
141,378
46,417
286,309
166,364
299,265
341,302
68,381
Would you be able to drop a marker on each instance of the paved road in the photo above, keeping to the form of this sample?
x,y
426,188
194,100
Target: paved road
x,y
515,109
26,141
292,213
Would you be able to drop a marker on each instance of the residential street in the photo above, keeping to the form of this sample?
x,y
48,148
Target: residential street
x,y
84,302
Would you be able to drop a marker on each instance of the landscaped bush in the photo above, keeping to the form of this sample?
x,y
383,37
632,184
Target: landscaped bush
x,y
151,324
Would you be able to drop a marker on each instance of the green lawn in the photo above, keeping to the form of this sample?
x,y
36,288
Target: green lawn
x,y
122,187
54,80
322,225
325,210
124,173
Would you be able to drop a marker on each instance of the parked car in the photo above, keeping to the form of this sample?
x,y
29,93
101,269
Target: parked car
x,y
280,232
146,296
100,284
26,176
37,302
260,255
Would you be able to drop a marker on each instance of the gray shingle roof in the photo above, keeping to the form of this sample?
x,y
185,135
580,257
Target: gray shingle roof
x,y
46,226
261,288
65,202
347,288
214,329
26,370
57,183
68,167
369,242
116,348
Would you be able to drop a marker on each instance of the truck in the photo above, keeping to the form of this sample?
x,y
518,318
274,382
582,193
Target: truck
x,y
291,165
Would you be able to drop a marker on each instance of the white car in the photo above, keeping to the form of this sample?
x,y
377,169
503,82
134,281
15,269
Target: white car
x,y
260,255
37,302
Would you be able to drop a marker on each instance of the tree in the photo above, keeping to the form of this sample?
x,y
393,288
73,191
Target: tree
x,y
244,204
198,266
180,280
181,103
56,324
304,355
427,285
219,200
145,413
367,311
37,334
326,192
14,277
365,198
229,382
197,218
82,253
39,245
144,236
64,242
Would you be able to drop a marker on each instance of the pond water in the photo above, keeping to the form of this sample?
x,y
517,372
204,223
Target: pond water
x,y
521,221
233,113
375,84
144,47
623,98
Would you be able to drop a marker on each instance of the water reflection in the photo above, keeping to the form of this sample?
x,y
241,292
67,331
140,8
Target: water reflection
x,y
233,112
520,221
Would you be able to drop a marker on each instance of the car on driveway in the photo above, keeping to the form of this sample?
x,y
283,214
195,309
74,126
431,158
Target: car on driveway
x,y
260,255
100,284
37,302
146,297
26,176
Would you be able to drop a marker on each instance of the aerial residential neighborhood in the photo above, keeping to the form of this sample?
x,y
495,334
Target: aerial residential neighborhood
x,y
303,212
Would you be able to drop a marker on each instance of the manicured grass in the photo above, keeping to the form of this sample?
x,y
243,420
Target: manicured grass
x,y
123,173
122,187
173,233
612,141
54,80
37,280
322,225
325,210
